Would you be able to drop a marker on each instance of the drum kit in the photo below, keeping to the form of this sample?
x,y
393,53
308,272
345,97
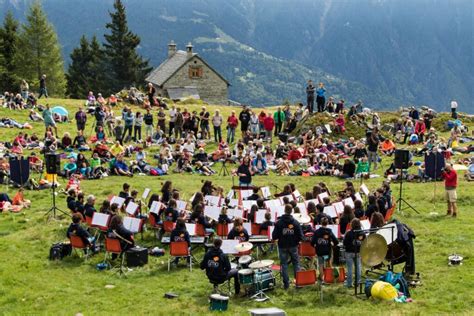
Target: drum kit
x,y
302,218
257,277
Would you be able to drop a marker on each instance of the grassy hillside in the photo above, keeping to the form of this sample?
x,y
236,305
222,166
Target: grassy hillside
x,y
31,284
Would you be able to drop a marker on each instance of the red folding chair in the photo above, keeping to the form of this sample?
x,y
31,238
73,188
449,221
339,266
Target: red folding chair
x,y
89,221
305,278
307,251
113,246
222,230
201,231
255,229
390,212
78,243
180,249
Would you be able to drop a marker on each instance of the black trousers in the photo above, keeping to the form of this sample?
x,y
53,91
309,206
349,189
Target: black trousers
x,y
310,103
278,127
320,101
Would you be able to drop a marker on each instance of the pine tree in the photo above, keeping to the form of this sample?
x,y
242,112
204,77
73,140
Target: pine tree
x,y
39,52
85,72
9,80
126,67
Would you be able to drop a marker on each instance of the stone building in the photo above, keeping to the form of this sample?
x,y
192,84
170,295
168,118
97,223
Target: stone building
x,y
185,73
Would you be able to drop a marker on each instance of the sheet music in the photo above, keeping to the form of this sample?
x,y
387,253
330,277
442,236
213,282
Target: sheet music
x,y
192,197
296,194
100,219
330,210
181,205
315,201
248,227
212,200
212,211
364,189
358,197
236,212
278,210
289,196
302,208
260,216
191,228
272,203
131,208
145,193
228,246
155,207
322,196
270,231
245,193
365,224
266,192
246,204
349,202
233,203
132,224
339,206
117,200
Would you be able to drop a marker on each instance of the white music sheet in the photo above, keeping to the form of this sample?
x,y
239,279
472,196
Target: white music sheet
x,y
100,219
322,196
228,246
364,189
145,193
117,200
181,205
248,227
212,200
339,206
191,228
132,224
358,197
302,208
248,204
330,210
155,207
266,192
212,211
334,229
348,201
131,208
260,216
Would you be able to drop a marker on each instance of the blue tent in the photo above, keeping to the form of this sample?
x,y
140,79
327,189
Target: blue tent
x,y
60,111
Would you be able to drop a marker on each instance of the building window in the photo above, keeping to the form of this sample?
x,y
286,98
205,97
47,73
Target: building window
x,y
195,72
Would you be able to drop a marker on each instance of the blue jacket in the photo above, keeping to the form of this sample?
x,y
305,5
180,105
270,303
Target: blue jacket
x,y
320,92
264,163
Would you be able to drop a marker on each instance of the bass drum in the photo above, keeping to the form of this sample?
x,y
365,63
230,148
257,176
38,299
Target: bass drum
x,y
339,255
264,280
395,253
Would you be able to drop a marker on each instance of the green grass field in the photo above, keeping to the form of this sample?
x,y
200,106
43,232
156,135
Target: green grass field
x,y
31,284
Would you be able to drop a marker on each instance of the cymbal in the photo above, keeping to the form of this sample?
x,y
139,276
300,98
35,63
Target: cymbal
x,y
260,264
302,218
373,250
244,246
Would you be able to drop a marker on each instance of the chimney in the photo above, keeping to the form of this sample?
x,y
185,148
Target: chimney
x,y
171,49
189,50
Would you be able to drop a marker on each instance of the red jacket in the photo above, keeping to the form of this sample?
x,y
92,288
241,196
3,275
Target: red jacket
x,y
420,128
294,155
233,121
450,178
268,123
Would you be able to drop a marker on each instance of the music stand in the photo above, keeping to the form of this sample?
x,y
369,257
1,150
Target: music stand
x,y
224,171
52,211
400,196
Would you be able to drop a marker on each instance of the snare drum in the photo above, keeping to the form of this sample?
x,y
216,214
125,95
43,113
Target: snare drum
x,y
244,262
246,276
264,280
218,302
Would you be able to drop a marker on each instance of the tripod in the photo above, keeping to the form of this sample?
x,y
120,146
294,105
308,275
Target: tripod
x,y
400,196
52,211
224,171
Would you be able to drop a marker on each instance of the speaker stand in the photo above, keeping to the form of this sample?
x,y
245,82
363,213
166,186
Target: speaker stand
x,y
400,196
51,213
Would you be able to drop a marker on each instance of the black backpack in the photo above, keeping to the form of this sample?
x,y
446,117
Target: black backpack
x,y
59,250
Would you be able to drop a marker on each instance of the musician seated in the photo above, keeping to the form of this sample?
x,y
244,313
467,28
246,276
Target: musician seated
x,y
171,213
320,215
254,196
178,234
223,217
76,229
197,216
238,231
359,211
323,240
117,230
217,266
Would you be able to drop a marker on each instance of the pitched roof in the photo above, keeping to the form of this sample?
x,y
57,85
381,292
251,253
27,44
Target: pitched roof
x,y
170,66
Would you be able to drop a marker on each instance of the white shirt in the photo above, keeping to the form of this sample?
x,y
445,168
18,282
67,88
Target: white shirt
x,y
172,115
454,105
190,147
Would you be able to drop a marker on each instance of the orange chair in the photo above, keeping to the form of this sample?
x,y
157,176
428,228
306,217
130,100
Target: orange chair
x,y
342,275
222,230
255,229
306,250
180,249
200,231
305,278
328,275
390,212
168,226
112,246
78,243
89,221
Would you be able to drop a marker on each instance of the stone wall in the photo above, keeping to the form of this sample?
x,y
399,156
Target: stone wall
x,y
212,89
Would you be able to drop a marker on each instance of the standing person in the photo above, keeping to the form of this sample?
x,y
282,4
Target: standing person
x,y
299,113
232,123
279,118
49,119
352,242
217,124
148,120
288,116
244,118
178,124
310,96
128,119
450,183
373,141
204,123
288,234
323,241
428,118
162,119
245,172
340,106
137,127
151,93
254,125
217,266
268,125
320,99
42,90
81,119
24,88
454,108
330,106
172,120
